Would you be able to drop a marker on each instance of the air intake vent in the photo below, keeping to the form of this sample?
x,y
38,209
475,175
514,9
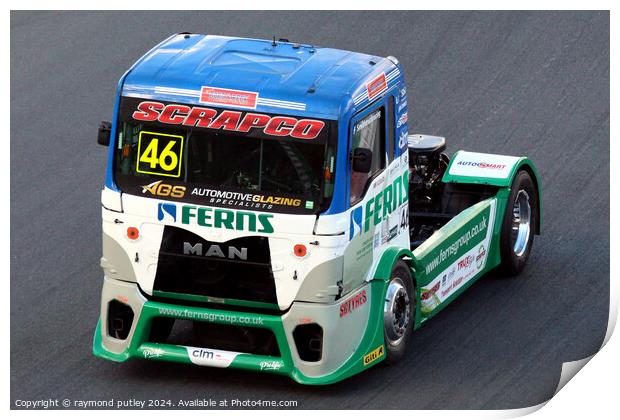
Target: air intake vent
x,y
120,318
309,342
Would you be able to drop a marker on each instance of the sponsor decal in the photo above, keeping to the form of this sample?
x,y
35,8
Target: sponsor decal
x,y
212,317
374,355
161,189
366,121
236,98
166,212
426,293
401,106
453,248
458,261
482,252
377,240
309,205
228,120
210,357
216,217
376,86
465,262
429,298
403,92
215,250
355,222
271,365
238,199
482,165
392,233
379,207
402,120
152,352
353,303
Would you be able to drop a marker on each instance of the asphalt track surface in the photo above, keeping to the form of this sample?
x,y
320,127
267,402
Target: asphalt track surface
x,y
534,84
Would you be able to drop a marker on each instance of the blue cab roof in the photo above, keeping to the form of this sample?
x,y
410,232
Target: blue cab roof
x,y
290,78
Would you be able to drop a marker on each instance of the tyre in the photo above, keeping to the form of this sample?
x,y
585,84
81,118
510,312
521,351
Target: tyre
x,y
398,312
519,224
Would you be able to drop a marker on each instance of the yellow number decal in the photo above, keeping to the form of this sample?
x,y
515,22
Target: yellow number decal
x,y
150,154
168,153
159,154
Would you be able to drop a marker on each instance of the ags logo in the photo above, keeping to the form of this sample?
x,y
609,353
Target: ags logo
x,y
374,355
164,190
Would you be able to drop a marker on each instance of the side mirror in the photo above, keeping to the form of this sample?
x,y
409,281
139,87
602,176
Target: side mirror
x,y
362,160
103,137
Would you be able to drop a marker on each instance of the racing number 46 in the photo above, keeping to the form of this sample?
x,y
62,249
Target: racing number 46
x,y
159,154
150,156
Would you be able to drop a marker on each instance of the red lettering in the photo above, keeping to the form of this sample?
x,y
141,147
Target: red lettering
x,y
227,120
253,121
353,303
169,115
307,129
200,117
148,111
280,126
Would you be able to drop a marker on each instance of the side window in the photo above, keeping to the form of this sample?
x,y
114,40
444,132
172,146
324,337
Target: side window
x,y
390,129
369,133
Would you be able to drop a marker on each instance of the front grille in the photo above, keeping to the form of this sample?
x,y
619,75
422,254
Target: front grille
x,y
236,269
184,332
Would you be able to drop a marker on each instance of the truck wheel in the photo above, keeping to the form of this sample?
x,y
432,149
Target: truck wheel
x,y
519,224
398,312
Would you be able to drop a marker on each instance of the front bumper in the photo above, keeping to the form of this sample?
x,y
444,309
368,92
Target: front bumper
x,y
346,338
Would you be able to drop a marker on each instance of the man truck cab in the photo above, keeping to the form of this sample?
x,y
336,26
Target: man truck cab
x,y
265,209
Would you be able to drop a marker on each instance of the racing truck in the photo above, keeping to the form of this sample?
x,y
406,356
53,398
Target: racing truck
x,y
265,208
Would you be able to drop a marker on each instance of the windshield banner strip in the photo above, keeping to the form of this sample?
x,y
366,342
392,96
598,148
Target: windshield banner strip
x,y
182,95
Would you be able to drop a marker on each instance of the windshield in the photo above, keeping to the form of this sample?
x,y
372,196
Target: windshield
x,y
224,158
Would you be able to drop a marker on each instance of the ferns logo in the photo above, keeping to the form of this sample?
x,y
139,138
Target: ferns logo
x,y
356,222
166,212
215,217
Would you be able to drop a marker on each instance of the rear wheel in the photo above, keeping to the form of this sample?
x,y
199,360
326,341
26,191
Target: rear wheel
x,y
519,224
398,312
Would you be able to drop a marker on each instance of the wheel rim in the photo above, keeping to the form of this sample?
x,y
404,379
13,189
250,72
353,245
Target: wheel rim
x,y
521,223
396,312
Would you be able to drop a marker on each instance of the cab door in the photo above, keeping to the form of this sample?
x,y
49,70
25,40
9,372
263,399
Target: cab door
x,y
368,130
